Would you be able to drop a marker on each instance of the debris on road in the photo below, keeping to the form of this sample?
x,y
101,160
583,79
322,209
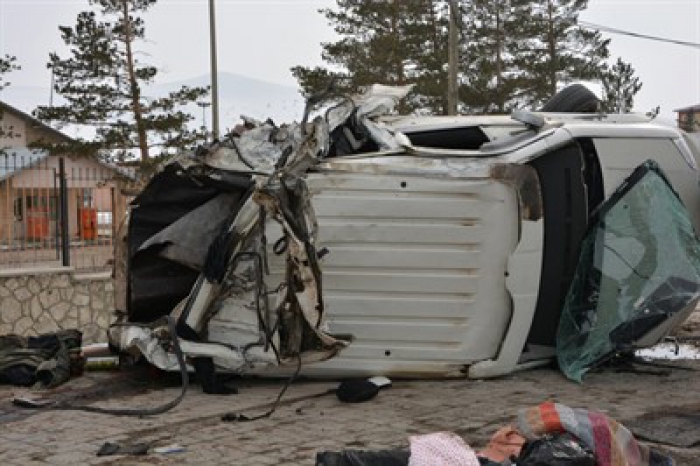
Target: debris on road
x,y
44,361
109,449
65,405
549,434
102,363
363,458
611,442
169,449
96,350
361,390
441,448
557,450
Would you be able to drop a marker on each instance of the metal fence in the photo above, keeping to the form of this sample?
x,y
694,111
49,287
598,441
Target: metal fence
x,y
57,211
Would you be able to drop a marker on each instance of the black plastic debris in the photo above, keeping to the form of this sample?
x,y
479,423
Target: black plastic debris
x,y
47,360
360,390
556,450
109,449
363,458
356,391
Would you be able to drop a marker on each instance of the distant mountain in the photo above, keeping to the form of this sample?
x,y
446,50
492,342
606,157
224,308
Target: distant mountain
x,y
238,95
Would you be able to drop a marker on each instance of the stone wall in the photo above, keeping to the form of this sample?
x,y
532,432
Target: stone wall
x,y
35,302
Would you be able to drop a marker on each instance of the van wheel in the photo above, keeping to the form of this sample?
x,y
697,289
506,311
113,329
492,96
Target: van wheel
x,y
572,99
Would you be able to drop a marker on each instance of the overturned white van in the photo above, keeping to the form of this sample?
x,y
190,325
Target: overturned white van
x,y
364,244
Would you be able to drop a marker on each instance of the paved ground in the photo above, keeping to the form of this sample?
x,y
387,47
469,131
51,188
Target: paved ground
x,y
310,419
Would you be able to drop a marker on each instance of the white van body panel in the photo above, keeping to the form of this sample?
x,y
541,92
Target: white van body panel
x,y
618,154
435,255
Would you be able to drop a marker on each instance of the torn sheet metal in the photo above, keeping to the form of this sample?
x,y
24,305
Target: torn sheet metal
x,y
264,147
639,268
377,101
187,240
225,240
154,345
435,252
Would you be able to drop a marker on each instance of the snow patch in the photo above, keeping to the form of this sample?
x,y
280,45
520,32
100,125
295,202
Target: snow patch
x,y
669,351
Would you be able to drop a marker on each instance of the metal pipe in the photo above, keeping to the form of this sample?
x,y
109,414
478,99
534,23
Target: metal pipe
x,y
214,78
57,235
65,234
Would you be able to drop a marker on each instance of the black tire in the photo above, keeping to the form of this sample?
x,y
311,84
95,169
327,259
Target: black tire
x,y
572,99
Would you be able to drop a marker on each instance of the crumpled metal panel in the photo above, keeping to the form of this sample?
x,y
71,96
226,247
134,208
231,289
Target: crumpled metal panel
x,y
233,278
186,241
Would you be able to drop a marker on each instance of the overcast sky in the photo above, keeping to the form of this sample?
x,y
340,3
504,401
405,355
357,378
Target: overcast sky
x,y
264,38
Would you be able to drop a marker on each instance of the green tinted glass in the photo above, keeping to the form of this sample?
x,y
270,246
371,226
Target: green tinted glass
x,y
639,265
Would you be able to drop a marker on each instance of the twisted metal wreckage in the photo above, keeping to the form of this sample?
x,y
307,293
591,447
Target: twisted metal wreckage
x,y
452,242
257,174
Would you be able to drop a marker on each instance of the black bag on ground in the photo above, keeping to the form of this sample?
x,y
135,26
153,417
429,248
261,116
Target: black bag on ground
x,y
556,450
363,458
44,358
356,390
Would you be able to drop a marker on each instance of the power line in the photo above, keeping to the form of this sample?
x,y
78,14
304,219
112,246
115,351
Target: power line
x,y
598,27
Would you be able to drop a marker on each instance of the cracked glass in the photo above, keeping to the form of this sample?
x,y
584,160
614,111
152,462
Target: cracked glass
x,y
639,266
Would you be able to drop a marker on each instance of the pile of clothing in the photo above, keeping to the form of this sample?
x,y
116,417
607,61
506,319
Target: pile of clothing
x,y
550,434
44,361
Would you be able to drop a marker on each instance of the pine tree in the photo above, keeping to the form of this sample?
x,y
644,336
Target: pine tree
x,y
493,35
103,84
558,50
620,85
7,64
387,42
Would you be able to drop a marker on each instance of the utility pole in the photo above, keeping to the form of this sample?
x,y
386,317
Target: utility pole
x,y
53,74
214,77
452,59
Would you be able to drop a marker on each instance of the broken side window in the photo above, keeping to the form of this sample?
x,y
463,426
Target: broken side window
x,y
639,266
464,138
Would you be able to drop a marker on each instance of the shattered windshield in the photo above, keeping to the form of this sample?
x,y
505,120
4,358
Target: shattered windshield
x,y
639,265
